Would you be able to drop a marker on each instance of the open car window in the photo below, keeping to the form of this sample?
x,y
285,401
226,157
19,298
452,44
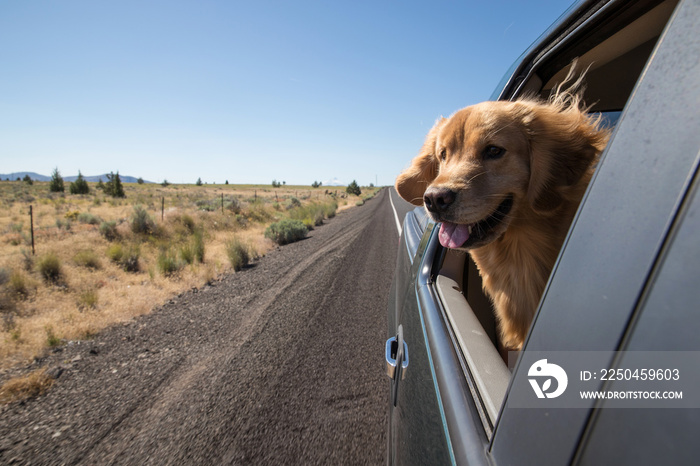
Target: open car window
x,y
614,52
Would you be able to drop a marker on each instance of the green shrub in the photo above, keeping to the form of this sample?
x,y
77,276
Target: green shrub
x,y
286,231
108,229
65,224
51,338
88,299
115,252
198,245
15,227
89,219
18,284
187,253
237,253
87,258
130,259
209,205
141,222
312,215
233,205
168,264
293,203
49,267
188,222
8,311
330,209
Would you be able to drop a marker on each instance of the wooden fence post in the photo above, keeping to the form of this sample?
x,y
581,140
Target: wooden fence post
x,y
162,208
31,225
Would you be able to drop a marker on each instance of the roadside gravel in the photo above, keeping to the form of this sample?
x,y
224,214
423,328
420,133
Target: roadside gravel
x,y
281,363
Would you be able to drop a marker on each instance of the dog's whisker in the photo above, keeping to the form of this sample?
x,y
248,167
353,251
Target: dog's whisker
x,y
475,176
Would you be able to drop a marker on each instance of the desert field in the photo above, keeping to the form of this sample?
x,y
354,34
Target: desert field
x,y
99,260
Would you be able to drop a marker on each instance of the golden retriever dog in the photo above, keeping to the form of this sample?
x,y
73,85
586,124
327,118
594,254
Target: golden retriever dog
x,y
505,180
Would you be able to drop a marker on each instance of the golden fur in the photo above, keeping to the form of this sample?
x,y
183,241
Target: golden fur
x,y
530,159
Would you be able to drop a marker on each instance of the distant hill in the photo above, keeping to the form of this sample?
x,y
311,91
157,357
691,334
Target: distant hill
x,y
68,179
21,175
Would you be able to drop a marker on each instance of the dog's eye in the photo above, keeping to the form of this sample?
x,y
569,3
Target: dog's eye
x,y
443,154
493,152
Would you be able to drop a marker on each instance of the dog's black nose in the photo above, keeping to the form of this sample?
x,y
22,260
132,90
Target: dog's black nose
x,y
437,200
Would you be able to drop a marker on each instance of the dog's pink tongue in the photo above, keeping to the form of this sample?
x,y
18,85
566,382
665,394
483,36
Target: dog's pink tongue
x,y
452,235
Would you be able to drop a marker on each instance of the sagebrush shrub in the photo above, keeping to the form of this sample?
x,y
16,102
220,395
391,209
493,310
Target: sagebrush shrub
x,y
233,205
108,229
286,231
141,222
293,203
88,218
49,267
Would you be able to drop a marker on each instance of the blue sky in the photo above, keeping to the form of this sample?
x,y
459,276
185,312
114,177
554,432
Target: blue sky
x,y
248,92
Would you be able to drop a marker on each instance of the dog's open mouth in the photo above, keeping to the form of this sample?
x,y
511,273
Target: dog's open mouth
x,y
454,235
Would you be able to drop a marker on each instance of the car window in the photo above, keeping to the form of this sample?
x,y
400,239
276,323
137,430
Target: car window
x,y
614,52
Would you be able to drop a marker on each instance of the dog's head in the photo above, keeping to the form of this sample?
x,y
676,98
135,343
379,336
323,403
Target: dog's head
x,y
487,164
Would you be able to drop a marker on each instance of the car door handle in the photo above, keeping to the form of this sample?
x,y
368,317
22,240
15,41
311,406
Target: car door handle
x,y
396,355
396,358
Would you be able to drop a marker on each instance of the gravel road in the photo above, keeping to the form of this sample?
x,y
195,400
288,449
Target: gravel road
x,y
281,363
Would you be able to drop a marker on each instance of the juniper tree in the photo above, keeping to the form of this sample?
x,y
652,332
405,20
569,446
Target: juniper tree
x,y
79,186
113,186
56,184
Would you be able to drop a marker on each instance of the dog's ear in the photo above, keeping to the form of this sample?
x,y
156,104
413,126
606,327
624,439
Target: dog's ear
x,y
564,143
412,182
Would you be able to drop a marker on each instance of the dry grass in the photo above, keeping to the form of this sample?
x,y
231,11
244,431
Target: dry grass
x,y
93,291
23,388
